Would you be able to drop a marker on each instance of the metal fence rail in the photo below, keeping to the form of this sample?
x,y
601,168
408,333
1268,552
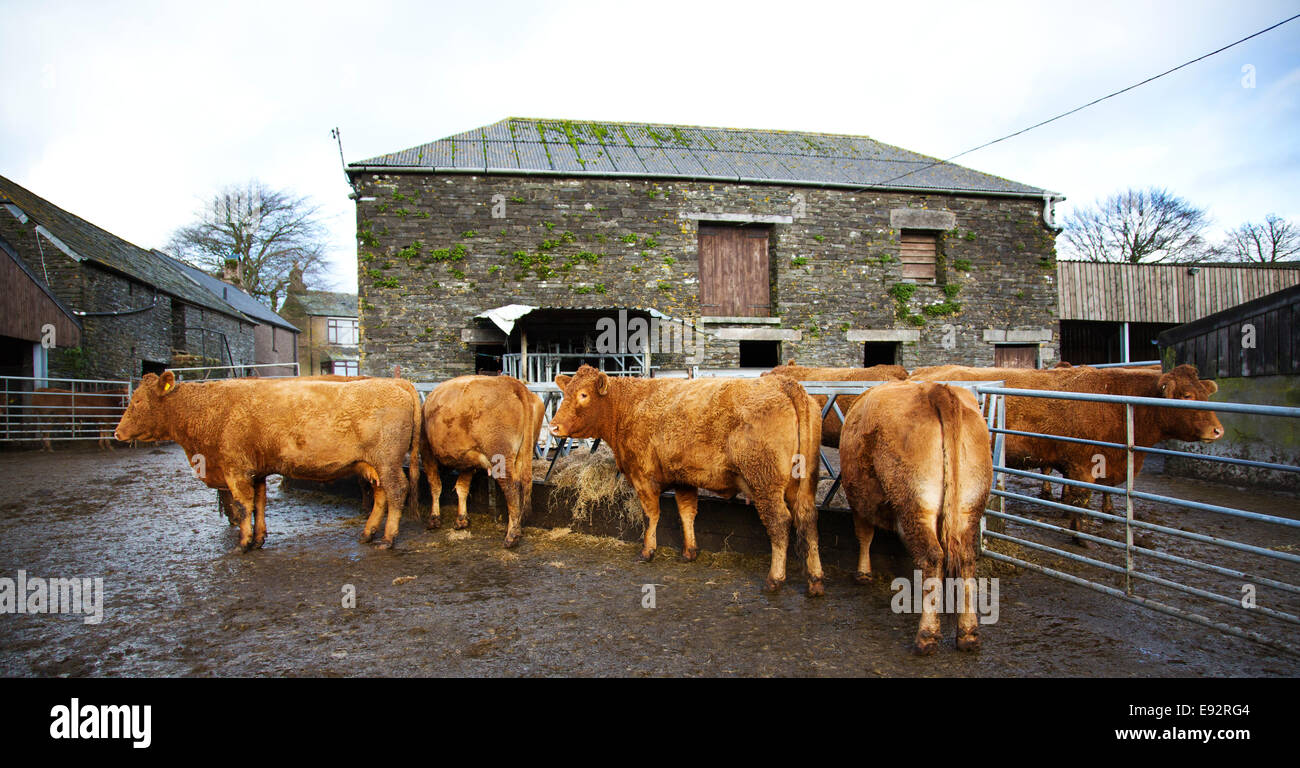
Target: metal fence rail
x,y
51,409
1258,582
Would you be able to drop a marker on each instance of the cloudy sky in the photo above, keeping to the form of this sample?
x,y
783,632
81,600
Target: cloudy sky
x,y
130,113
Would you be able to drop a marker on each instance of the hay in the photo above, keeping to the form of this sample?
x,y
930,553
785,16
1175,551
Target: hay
x,y
588,482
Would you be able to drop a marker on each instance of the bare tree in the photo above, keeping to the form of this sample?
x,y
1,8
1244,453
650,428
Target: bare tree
x,y
252,237
1137,226
1272,241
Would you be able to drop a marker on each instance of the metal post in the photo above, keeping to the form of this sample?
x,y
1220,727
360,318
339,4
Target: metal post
x,y
1128,496
1123,343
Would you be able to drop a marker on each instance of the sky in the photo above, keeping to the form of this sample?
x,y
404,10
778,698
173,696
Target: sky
x,y
131,114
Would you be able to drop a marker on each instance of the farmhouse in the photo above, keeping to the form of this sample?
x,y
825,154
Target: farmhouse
x,y
328,342
117,310
511,246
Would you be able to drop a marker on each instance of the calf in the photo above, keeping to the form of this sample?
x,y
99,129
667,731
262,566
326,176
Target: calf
x,y
758,436
831,421
1092,421
483,422
915,459
237,432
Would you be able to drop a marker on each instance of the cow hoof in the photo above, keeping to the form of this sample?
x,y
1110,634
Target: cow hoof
x,y
461,523
772,584
816,588
512,540
969,642
383,544
690,553
862,578
366,538
646,555
926,644
1082,543
433,524
243,548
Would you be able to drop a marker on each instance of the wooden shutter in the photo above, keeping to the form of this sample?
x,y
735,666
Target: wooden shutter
x,y
916,250
734,278
1015,356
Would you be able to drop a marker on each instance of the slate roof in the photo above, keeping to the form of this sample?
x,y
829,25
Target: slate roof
x,y
327,303
255,310
570,147
90,242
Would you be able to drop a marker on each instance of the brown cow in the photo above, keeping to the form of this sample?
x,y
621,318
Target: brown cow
x,y
236,432
915,459
759,436
1092,421
483,422
59,409
831,422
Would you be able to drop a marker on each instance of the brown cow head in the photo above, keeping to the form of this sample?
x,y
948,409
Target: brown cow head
x,y
1182,383
146,417
586,405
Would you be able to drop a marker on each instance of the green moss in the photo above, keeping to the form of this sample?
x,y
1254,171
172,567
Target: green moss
x,y
669,260
819,238
798,261
951,290
515,199
387,282
902,291
411,251
467,234
961,265
650,242
943,309
629,238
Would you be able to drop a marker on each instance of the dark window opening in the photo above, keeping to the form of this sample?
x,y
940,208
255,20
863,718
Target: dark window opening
x,y
151,367
879,353
760,354
487,359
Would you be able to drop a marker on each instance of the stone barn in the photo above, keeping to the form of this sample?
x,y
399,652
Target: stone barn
x,y
519,246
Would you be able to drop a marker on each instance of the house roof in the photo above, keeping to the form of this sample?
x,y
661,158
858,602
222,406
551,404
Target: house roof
x,y
252,308
82,240
520,145
327,303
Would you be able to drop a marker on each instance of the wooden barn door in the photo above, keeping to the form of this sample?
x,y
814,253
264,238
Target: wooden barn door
x,y
734,279
1015,356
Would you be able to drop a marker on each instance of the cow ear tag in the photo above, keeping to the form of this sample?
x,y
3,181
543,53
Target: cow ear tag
x,y
168,387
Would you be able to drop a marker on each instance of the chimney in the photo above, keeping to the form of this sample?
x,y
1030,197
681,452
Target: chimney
x,y
296,284
231,273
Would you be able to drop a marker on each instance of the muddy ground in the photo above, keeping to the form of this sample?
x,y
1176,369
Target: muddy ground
x,y
179,602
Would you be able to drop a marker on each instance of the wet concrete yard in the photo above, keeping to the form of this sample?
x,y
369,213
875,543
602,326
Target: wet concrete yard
x,y
179,602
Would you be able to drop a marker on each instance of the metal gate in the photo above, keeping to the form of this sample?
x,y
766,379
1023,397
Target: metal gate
x,y
1153,564
52,409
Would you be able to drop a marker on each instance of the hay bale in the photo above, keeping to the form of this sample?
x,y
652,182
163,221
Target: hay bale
x,y
591,484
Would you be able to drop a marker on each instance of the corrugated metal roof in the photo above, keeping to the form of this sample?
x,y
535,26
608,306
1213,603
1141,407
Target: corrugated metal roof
x,y
90,242
572,147
1162,293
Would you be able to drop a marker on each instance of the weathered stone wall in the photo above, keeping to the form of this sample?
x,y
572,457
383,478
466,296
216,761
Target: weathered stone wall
x,y
431,255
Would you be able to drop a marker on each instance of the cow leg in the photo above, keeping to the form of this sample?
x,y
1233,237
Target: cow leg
x,y
688,504
395,490
1046,491
776,517
962,545
648,492
866,532
804,511
462,499
923,545
242,491
1077,497
513,490
226,506
1107,505
434,473
377,507
259,527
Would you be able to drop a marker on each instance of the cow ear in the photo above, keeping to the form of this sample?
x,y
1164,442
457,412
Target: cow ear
x,y
562,381
602,383
1211,386
167,382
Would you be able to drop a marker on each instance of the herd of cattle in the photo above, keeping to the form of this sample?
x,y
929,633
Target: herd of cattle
x,y
914,453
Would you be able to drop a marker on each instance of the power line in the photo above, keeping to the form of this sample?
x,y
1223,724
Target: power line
x,y
1089,104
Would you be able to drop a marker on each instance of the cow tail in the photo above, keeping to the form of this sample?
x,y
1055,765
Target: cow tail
x,y
534,413
956,551
417,438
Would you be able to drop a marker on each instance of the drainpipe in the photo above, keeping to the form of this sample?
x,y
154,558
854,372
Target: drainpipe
x,y
1049,210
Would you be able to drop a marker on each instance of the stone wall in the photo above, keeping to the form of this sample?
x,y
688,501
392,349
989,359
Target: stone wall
x,y
436,249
